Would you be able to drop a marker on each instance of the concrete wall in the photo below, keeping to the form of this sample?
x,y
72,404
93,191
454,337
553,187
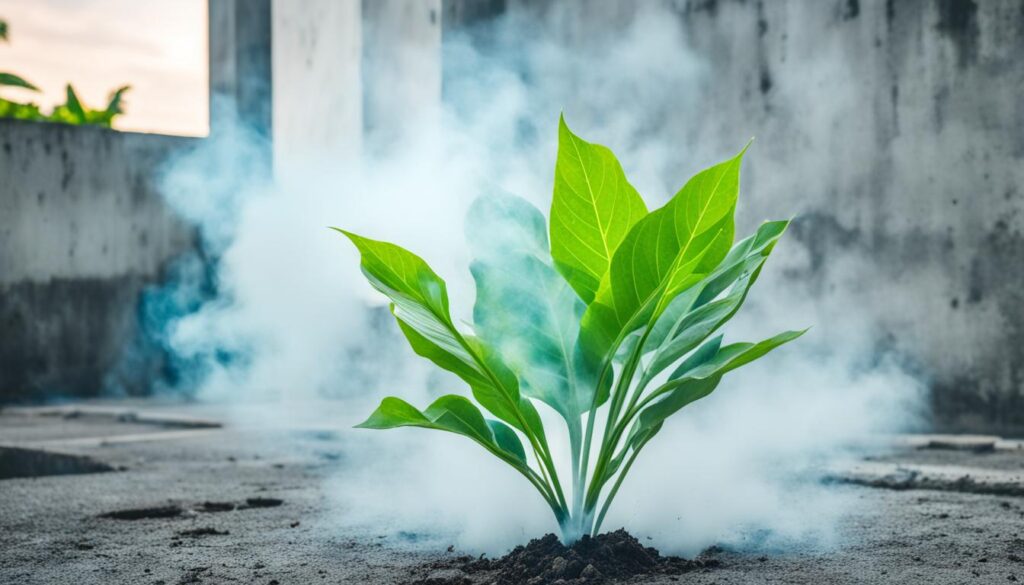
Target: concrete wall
x,y
895,131
82,230
83,227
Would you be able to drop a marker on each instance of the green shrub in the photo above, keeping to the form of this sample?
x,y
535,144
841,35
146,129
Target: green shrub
x,y
72,111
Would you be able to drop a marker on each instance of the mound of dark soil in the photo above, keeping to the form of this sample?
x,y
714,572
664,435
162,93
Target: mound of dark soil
x,y
545,561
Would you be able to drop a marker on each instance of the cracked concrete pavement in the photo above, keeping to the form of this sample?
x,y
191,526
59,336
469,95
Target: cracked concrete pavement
x,y
213,503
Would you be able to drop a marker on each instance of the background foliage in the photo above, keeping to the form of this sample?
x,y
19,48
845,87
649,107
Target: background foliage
x,y
72,111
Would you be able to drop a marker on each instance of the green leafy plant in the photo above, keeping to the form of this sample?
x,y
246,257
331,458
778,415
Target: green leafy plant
x,y
73,111
615,319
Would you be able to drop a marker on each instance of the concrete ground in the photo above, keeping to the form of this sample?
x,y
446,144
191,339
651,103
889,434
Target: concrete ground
x,y
229,504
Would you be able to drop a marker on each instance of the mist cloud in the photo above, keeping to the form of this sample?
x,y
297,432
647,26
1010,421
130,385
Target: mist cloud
x,y
293,321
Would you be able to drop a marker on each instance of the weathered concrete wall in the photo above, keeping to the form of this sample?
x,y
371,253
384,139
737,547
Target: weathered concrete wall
x,y
894,130
82,230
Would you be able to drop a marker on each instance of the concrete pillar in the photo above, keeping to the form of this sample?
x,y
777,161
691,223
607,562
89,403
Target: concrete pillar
x,y
318,102
401,69
240,70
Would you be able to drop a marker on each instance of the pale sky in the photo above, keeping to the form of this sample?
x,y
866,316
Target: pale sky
x,y
159,47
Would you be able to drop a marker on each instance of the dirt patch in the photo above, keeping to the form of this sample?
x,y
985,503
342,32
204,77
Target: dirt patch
x,y
546,561
145,513
911,479
173,511
205,531
216,507
16,462
193,575
262,503
966,443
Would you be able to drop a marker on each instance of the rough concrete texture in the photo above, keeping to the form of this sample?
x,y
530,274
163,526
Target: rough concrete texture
x,y
894,132
212,495
905,178
82,230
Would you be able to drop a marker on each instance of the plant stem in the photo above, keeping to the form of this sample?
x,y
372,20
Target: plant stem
x,y
615,488
575,437
618,397
591,416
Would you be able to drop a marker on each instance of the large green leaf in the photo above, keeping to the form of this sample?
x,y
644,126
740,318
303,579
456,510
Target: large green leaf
x,y
523,307
592,210
420,304
454,414
664,254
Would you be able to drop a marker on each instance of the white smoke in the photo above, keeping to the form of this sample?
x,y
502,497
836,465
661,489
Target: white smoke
x,y
292,322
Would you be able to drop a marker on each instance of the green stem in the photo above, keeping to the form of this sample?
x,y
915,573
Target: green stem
x,y
615,488
618,397
591,416
575,437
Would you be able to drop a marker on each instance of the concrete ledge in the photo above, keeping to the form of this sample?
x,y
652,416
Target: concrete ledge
x,y
118,414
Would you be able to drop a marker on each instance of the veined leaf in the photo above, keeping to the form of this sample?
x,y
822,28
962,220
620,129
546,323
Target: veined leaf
x,y
457,362
592,210
523,307
664,254
693,316
454,414
508,440
420,304
741,258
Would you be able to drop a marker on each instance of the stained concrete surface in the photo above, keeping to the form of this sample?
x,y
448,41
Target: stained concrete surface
x,y
83,231
873,132
215,492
